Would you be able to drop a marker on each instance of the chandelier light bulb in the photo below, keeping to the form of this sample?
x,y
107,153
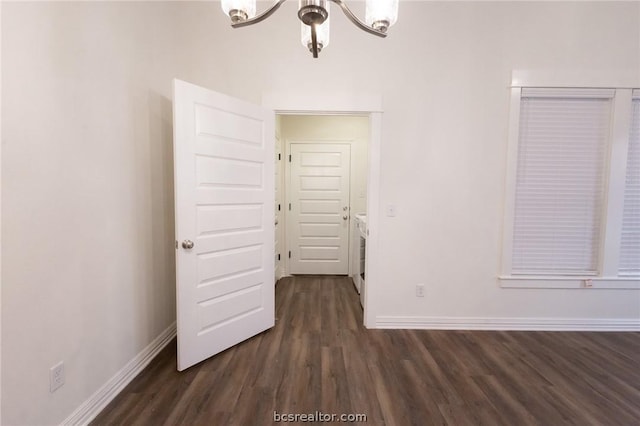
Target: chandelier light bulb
x,y
381,14
239,10
322,34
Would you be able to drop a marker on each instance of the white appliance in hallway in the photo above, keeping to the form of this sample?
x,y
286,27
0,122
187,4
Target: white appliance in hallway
x,y
319,211
359,244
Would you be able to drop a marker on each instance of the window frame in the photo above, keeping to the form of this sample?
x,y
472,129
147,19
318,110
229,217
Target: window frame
x,y
624,84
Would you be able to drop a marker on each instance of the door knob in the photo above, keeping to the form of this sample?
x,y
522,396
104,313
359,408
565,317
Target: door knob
x,y
345,208
345,217
187,244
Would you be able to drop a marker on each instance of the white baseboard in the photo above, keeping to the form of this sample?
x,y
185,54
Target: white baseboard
x,y
538,324
103,396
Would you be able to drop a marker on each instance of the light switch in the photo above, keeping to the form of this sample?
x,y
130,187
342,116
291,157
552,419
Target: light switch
x,y
391,210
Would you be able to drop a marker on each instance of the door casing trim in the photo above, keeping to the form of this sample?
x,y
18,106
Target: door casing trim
x,y
346,103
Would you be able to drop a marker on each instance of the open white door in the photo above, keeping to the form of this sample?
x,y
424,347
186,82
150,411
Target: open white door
x,y
224,186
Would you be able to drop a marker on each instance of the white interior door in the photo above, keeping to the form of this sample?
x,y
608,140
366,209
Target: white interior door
x,y
278,209
224,186
319,217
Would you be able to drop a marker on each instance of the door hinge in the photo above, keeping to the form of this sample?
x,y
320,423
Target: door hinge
x,y
279,157
176,244
289,206
289,254
278,207
278,256
289,157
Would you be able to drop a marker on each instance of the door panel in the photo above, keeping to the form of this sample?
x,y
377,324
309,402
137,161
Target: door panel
x,y
310,230
320,175
319,206
220,218
324,184
223,155
222,172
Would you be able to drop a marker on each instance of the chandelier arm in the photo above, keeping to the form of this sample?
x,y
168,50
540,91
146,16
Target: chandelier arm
x,y
357,22
261,17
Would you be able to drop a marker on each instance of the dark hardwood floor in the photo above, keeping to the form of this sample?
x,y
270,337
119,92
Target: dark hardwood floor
x,y
319,357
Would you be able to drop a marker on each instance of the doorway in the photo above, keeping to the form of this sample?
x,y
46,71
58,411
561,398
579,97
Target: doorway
x,y
323,186
367,105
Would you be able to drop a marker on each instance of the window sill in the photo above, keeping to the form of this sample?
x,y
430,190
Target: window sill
x,y
614,283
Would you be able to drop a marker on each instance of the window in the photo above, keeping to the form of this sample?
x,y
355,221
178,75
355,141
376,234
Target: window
x,y
630,240
573,193
560,181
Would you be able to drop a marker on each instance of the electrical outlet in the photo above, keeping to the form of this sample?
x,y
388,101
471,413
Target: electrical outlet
x,y
56,376
419,290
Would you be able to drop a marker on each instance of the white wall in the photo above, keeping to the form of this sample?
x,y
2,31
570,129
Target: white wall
x,y
87,212
87,234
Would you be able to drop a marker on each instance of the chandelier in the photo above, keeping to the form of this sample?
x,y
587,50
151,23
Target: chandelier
x,y
314,17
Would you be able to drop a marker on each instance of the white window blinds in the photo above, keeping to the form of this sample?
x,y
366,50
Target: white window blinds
x,y
630,239
562,150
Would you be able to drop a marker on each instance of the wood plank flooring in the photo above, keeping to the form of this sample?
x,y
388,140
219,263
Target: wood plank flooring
x,y
319,357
